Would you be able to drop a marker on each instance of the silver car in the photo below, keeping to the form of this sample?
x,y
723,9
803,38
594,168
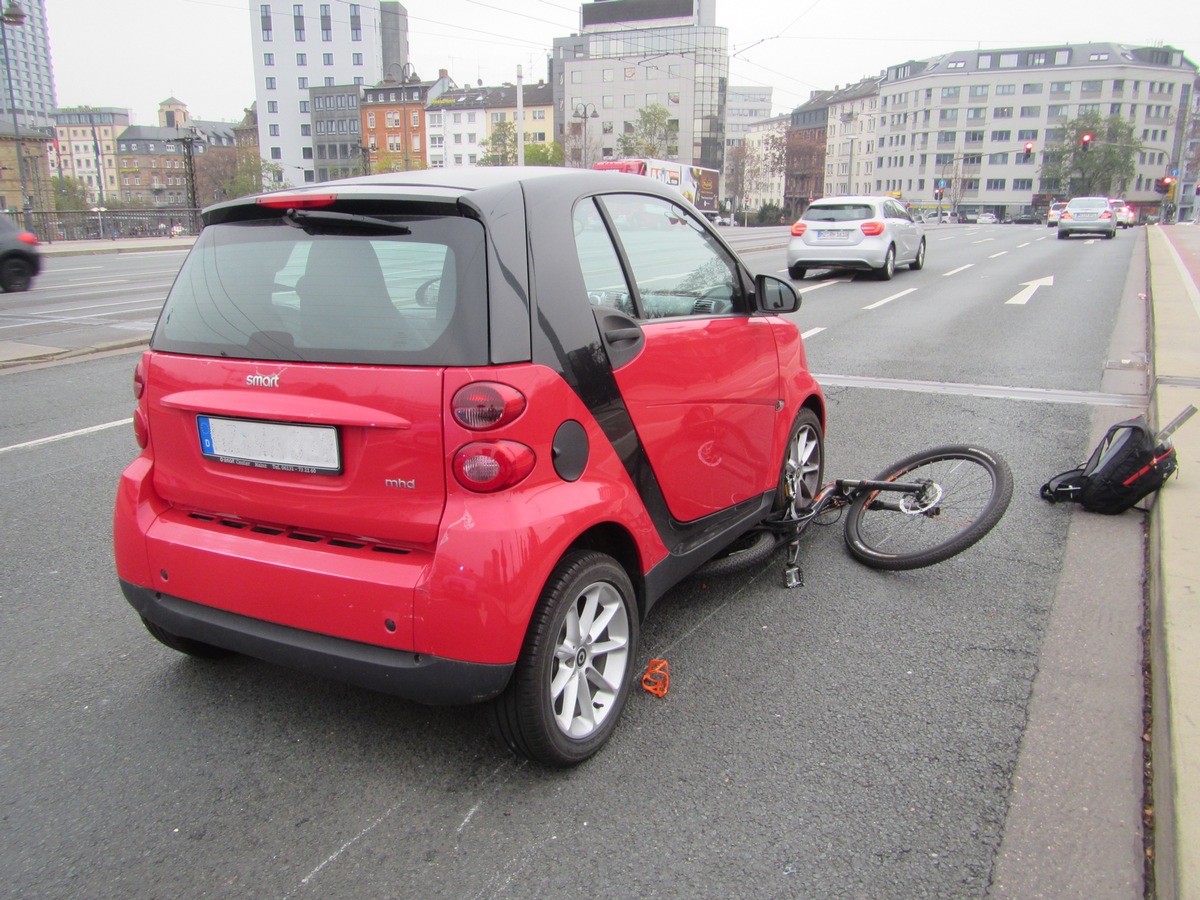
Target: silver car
x,y
1088,215
866,233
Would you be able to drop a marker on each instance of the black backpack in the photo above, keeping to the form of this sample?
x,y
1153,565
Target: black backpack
x,y
1129,463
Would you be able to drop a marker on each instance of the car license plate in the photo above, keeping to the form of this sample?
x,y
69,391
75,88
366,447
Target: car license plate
x,y
832,235
270,445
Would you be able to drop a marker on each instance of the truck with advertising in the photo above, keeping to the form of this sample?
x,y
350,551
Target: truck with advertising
x,y
700,186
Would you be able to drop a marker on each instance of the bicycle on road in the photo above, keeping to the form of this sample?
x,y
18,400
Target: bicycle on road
x,y
922,510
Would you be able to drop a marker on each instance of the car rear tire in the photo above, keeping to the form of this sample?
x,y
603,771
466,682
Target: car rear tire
x,y
797,273
919,263
574,673
888,269
1063,235
15,275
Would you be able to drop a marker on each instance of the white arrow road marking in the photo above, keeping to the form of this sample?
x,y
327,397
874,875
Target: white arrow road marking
x,y
1028,290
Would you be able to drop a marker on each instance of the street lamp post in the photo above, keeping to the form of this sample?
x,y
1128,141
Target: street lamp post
x,y
15,16
581,112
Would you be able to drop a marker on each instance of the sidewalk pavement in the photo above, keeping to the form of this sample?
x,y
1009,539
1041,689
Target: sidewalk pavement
x,y
1174,566
116,245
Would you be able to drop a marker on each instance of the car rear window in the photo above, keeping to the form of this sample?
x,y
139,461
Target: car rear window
x,y
1088,203
839,212
264,289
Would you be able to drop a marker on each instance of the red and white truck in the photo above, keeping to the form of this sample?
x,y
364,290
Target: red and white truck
x,y
700,186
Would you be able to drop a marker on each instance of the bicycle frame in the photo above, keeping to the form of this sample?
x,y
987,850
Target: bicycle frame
x,y
923,497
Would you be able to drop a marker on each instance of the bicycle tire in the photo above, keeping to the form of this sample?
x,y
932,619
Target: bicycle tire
x,y
976,488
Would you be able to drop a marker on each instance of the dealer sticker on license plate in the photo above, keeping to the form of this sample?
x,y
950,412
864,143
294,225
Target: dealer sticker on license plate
x,y
270,445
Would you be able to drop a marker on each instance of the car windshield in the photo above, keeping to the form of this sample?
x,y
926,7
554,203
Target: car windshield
x,y
839,212
265,289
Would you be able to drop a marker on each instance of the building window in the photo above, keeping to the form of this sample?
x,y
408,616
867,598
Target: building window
x,y
268,59
276,153
273,130
302,59
302,83
270,84
305,130
1030,112
356,59
1022,184
1003,112
272,106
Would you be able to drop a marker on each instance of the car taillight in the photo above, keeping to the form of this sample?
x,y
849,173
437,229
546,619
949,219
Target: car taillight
x,y
1106,215
1064,215
486,404
492,466
798,228
27,237
872,228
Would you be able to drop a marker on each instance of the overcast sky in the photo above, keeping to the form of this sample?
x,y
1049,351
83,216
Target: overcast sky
x,y
135,53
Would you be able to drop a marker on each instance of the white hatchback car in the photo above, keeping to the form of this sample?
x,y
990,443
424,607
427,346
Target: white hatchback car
x,y
874,234
1123,212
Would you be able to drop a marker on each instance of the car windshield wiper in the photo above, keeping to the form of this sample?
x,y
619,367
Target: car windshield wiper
x,y
313,219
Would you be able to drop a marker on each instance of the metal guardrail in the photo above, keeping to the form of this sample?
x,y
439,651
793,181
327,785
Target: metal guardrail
x,y
91,225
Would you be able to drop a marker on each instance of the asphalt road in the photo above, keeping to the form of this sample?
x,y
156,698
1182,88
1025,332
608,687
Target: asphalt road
x,y
859,737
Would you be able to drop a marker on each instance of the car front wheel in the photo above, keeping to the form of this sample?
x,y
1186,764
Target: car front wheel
x,y
15,275
919,263
574,673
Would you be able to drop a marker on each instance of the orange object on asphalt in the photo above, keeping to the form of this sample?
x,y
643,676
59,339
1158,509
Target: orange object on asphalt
x,y
657,678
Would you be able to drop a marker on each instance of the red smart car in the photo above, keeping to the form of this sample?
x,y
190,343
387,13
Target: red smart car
x,y
451,434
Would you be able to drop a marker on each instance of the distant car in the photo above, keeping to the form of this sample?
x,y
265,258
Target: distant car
x,y
1123,212
1028,217
987,219
1053,214
874,234
20,258
1087,215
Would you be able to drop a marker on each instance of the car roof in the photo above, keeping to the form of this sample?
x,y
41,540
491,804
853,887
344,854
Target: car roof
x,y
851,198
447,185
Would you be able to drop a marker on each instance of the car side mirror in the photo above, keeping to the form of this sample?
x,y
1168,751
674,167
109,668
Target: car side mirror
x,y
774,295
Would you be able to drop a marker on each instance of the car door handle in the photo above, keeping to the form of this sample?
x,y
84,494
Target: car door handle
x,y
625,333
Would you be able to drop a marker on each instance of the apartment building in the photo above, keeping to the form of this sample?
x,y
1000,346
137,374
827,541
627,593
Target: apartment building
x,y
805,176
394,121
963,119
84,147
766,159
850,139
633,54
307,46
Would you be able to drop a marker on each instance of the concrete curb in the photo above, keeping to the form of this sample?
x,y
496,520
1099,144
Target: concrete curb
x,y
1174,578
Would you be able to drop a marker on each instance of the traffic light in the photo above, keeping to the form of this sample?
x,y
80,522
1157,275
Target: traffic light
x,y
1028,149
938,193
1085,142
1163,185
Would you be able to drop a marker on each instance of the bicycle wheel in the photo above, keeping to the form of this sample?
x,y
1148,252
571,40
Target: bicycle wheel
x,y
968,491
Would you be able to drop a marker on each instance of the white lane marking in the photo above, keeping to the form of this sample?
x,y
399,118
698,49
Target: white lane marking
x,y
959,269
79,432
807,334
879,303
817,285
994,255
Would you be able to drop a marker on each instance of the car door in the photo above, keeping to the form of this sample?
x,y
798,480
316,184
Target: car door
x,y
904,229
703,386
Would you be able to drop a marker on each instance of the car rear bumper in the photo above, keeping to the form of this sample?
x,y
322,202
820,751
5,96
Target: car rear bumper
x,y
415,676
1087,227
858,257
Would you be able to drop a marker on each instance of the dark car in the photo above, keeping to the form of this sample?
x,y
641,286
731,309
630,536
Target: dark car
x,y
451,435
20,259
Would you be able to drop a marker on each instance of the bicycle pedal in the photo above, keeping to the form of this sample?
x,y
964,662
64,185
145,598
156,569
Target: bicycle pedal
x,y
657,679
793,577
